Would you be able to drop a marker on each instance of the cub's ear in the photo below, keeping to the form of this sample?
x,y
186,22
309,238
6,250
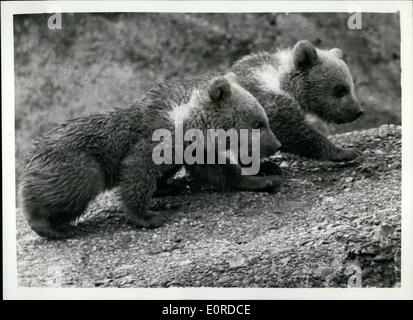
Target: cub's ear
x,y
337,53
304,54
219,89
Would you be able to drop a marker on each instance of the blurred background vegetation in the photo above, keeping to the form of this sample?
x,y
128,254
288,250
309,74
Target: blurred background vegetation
x,y
99,61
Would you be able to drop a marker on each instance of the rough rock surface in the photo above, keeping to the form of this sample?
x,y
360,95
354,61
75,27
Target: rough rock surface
x,y
330,224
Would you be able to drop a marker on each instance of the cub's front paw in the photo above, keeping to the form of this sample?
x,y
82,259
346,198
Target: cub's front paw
x,y
152,219
268,168
272,184
347,155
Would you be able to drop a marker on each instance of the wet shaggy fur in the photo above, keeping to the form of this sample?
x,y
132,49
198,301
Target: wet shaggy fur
x,y
77,160
303,80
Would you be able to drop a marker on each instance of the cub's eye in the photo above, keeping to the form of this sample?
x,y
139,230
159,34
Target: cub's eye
x,y
341,91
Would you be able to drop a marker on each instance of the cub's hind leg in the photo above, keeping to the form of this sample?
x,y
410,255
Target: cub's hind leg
x,y
56,189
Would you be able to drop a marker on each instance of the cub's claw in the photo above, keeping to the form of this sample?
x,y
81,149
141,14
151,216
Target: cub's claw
x,y
347,155
152,219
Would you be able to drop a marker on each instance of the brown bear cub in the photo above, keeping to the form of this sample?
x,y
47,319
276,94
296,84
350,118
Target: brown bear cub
x,y
290,84
303,80
79,159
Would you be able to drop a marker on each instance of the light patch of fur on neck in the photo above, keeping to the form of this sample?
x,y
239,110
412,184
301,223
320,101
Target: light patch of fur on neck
x,y
268,79
179,113
285,60
231,77
269,75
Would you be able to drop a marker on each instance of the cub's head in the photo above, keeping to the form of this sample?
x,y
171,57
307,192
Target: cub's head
x,y
323,84
229,106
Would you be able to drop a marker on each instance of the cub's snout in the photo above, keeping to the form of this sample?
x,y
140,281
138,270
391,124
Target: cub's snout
x,y
352,110
269,144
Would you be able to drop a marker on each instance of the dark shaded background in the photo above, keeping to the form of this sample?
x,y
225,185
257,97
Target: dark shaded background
x,y
98,61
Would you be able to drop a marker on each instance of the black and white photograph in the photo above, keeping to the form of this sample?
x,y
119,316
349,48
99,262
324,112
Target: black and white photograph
x,y
244,149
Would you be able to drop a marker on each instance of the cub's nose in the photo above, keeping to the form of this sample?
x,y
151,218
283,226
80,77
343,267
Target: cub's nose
x,y
277,144
358,110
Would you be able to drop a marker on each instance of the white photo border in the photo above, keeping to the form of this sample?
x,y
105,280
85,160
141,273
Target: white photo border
x,y
10,287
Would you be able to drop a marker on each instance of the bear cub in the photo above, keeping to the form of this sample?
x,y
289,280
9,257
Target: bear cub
x,y
82,157
302,80
290,84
